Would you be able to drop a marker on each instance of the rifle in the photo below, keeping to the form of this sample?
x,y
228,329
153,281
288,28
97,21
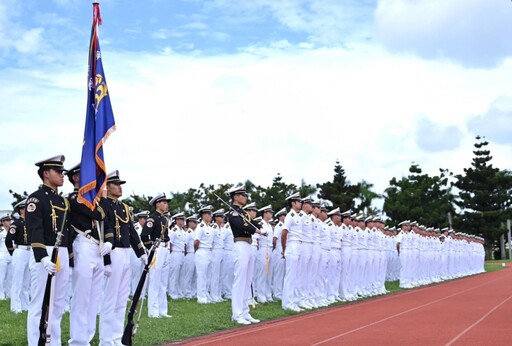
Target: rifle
x,y
47,308
130,329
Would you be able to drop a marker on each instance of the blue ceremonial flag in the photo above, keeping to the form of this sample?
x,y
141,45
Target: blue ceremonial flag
x,y
99,123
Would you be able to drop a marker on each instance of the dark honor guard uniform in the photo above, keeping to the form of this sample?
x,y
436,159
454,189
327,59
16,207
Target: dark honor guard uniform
x,y
157,227
243,229
48,214
18,245
87,276
119,226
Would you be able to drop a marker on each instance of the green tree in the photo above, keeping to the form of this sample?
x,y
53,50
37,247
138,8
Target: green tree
x,y
484,196
419,197
366,197
339,191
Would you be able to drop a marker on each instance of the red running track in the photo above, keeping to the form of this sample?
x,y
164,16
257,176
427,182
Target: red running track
x,y
472,311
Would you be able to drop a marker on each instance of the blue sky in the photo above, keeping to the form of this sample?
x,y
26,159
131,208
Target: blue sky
x,y
222,91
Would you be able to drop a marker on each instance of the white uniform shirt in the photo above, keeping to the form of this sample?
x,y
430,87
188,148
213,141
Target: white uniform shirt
x,y
307,227
178,239
229,240
293,224
204,234
218,239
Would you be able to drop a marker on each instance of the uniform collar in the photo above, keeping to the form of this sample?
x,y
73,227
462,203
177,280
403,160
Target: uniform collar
x,y
113,199
48,189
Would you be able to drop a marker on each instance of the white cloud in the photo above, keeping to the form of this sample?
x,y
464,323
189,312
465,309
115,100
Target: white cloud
x,y
471,32
30,41
250,115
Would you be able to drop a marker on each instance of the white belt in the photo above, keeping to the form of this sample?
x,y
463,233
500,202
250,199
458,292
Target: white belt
x,y
163,244
86,234
205,248
24,247
180,251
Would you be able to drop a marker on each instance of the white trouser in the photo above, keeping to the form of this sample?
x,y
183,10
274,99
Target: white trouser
x,y
5,285
292,278
203,260
87,280
334,273
262,277
323,273
115,297
20,285
346,255
176,259
137,267
158,280
39,277
244,269
315,284
306,255
215,278
278,264
227,270
189,275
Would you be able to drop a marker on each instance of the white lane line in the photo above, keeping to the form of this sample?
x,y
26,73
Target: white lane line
x,y
477,322
402,313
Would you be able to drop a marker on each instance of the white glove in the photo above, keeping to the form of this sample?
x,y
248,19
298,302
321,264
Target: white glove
x,y
108,270
144,259
263,232
105,250
48,265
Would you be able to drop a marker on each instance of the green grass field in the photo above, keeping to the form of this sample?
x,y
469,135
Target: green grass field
x,y
189,319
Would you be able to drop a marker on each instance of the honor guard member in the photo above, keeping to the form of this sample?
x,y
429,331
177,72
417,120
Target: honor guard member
x,y
136,264
178,246
118,225
157,227
203,243
5,258
87,276
18,244
47,214
243,228
291,241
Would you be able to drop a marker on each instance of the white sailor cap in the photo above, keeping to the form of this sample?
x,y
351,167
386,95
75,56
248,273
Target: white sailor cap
x,y
323,208
55,162
143,213
280,212
20,204
267,208
219,212
368,219
179,216
237,190
335,211
307,199
347,213
294,197
250,206
158,198
5,217
206,209
113,178
192,218
316,204
405,222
